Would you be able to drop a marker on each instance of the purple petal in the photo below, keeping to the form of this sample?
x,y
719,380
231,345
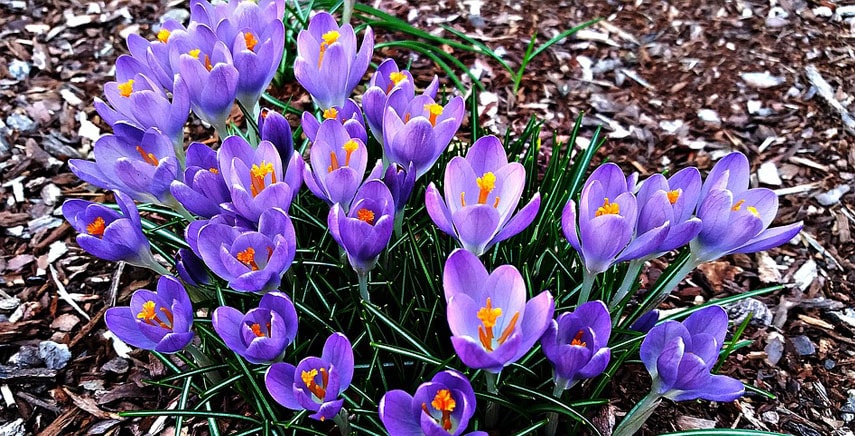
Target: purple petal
x,y
463,274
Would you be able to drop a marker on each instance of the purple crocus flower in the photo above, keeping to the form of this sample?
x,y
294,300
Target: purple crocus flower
x,y
256,178
398,179
139,163
150,58
274,127
576,343
158,321
110,235
383,82
736,219
680,356
418,130
349,116
213,16
442,406
336,165
671,200
365,230
203,189
316,383
327,63
191,269
251,261
482,191
491,324
645,322
261,335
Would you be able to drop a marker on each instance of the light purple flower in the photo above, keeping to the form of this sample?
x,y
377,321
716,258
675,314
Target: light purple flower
x,y
349,116
261,335
316,383
482,191
383,82
158,321
202,11
365,230
328,64
491,323
671,200
150,58
680,356
336,165
576,343
203,189
442,406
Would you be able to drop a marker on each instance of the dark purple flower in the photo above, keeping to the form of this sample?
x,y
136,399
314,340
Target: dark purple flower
x,y
383,82
261,335
576,343
316,383
203,189
139,163
327,64
491,323
251,261
482,191
273,127
680,356
336,165
108,234
365,230
418,130
442,406
348,116
645,322
191,269
398,179
736,219
158,321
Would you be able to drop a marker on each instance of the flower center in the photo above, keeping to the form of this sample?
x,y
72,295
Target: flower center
x,y
148,158
349,147
250,40
163,35
365,215
258,174
319,391
96,227
329,38
486,184
488,315
443,402
247,257
674,195
608,209
395,77
577,340
331,113
256,329
149,316
434,110
214,170
125,89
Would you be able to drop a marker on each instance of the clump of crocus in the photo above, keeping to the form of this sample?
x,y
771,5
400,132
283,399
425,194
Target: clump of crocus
x,y
263,333
110,235
576,344
482,191
158,321
203,189
337,164
491,323
251,261
386,79
442,406
365,230
679,358
316,383
328,64
349,116
418,130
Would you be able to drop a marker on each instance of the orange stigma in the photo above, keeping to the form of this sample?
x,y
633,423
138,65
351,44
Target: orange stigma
x,y
435,111
443,402
149,158
738,205
673,195
577,340
258,174
329,38
126,88
163,35
331,113
149,316
608,209
488,315
308,377
365,215
256,329
214,170
486,183
96,227
250,40
333,162
247,257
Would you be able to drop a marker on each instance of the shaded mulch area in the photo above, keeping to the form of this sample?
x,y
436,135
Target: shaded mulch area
x,y
666,79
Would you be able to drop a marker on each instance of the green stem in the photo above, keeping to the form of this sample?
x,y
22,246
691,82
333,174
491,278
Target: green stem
x,y
343,422
670,285
492,407
202,359
362,275
587,285
399,224
552,417
629,280
347,11
639,414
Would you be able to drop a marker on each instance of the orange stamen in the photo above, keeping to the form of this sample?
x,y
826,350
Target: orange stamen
x,y
488,316
462,199
435,111
247,257
96,227
308,378
256,329
577,340
329,39
365,215
331,113
258,174
608,209
149,316
333,162
149,158
349,147
673,196
443,402
738,205
509,329
250,40
214,170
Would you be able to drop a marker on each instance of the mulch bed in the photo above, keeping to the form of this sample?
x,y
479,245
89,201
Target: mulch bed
x,y
667,80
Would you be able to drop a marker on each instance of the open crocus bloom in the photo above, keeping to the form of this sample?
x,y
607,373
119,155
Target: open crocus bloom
x,y
349,116
386,79
316,383
158,321
203,189
482,191
337,164
365,230
327,63
263,333
576,343
491,324
671,200
442,406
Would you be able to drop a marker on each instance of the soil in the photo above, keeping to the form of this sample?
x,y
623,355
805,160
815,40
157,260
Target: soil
x,y
674,83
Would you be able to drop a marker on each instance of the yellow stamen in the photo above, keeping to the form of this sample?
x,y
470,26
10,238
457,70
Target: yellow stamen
x,y
149,158
365,215
329,38
435,111
674,195
753,211
194,53
331,113
149,316
163,35
250,40
395,77
462,199
308,378
738,205
487,315
125,89
349,147
257,175
577,340
247,257
443,402
608,209
147,312
486,183
496,203
96,227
